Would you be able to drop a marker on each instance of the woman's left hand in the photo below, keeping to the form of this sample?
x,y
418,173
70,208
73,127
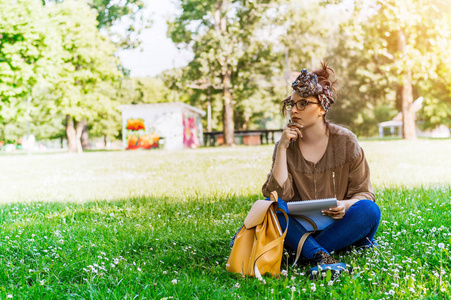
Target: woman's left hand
x,y
337,212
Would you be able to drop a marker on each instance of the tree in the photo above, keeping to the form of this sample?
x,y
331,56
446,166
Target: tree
x,y
391,52
111,12
89,69
129,12
29,60
308,37
229,53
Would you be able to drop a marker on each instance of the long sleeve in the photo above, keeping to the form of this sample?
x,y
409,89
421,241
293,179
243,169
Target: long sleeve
x,y
359,184
285,191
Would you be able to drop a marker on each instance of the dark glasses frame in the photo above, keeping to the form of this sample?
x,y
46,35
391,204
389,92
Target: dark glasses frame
x,y
300,105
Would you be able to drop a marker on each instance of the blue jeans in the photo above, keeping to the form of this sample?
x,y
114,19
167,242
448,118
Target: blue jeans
x,y
357,228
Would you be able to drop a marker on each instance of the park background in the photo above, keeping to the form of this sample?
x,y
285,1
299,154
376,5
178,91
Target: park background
x,y
156,224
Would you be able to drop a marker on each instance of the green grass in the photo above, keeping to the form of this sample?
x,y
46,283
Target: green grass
x,y
153,225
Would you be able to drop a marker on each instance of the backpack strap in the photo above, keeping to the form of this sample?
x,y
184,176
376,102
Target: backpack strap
x,y
304,237
275,242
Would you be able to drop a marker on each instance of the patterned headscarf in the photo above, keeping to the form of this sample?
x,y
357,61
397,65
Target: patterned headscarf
x,y
306,84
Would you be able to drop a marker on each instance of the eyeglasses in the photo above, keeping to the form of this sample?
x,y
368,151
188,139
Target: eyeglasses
x,y
300,105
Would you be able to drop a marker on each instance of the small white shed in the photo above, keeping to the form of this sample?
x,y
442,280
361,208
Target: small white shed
x,y
170,125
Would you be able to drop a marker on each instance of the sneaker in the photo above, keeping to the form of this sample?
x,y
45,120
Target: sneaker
x,y
326,262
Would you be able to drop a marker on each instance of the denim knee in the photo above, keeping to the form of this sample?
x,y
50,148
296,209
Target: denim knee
x,y
370,209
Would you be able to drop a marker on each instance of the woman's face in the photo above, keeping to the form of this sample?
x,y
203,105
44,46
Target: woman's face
x,y
310,114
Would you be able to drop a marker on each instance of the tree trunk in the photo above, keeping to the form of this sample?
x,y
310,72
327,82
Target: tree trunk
x,y
227,113
408,114
85,136
71,136
246,121
79,131
228,110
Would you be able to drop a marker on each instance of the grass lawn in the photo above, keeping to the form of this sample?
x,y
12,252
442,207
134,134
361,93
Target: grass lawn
x,y
153,225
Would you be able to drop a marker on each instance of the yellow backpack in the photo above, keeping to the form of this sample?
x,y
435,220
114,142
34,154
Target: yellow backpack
x,y
258,246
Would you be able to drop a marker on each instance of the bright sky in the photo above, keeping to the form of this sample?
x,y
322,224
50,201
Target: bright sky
x,y
158,52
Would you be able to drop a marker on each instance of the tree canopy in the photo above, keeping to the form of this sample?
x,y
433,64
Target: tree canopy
x,y
230,53
59,75
30,57
111,12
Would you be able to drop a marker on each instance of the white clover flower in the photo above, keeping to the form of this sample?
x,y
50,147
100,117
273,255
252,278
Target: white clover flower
x,y
174,281
9,296
412,290
293,289
165,272
441,245
237,285
284,273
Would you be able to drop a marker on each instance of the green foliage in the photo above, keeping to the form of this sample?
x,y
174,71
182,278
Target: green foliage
x,y
110,12
88,71
371,65
227,37
309,38
149,90
29,59
56,57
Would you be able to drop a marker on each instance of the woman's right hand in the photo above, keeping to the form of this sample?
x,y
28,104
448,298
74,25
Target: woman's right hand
x,y
291,132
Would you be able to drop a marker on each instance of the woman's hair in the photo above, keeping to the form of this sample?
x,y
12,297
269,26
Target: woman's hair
x,y
324,75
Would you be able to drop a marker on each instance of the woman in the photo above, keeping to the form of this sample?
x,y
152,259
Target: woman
x,y
315,159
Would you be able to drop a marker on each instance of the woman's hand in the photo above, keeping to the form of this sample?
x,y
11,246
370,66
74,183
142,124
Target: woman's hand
x,y
291,132
337,212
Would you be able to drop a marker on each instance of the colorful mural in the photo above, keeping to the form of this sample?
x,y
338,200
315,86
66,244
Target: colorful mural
x,y
190,132
138,138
